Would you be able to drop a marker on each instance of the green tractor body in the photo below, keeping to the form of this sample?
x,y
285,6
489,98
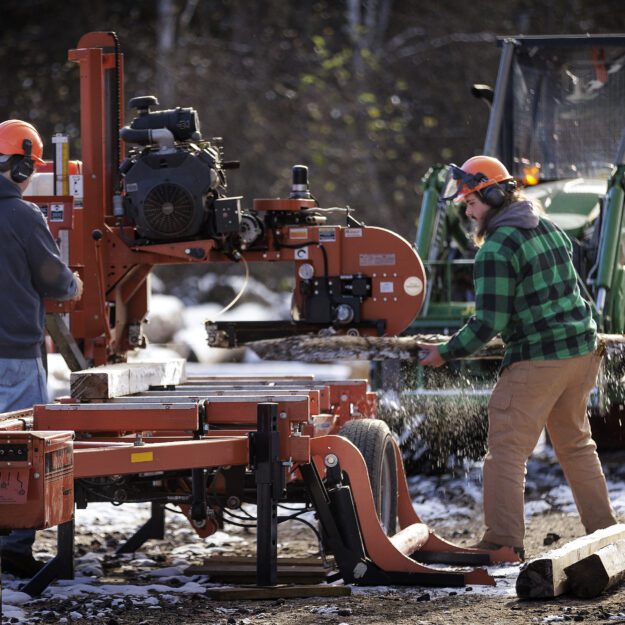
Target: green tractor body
x,y
557,122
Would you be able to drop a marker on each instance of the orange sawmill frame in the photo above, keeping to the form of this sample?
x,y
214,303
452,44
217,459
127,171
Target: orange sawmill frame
x,y
279,431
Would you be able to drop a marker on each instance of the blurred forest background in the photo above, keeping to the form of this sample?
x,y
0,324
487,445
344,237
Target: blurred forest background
x,y
367,93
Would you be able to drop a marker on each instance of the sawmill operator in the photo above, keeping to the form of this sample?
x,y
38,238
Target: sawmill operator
x,y
31,271
526,289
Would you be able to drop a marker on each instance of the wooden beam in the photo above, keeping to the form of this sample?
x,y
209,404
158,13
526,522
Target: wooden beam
x,y
544,577
125,378
245,573
277,592
602,570
65,342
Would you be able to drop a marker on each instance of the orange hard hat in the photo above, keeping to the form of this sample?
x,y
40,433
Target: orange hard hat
x,y
486,171
13,133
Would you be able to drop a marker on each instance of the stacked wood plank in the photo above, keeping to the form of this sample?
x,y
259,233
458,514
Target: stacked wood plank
x,y
126,378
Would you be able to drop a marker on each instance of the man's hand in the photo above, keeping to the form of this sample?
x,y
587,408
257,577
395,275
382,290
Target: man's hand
x,y
429,355
79,286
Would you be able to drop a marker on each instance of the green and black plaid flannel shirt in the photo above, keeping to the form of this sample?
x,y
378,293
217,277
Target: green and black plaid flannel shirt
x,y
526,289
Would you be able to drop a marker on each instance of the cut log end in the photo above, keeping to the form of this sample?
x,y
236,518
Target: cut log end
x,y
535,580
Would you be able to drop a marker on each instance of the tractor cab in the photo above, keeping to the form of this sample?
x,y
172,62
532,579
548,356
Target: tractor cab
x,y
556,122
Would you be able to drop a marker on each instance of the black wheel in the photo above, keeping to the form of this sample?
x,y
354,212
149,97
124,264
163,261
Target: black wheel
x,y
374,441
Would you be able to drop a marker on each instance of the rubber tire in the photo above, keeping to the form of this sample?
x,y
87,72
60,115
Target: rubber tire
x,y
374,440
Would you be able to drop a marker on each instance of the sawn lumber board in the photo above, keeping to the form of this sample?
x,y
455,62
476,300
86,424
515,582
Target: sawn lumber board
x,y
125,378
545,577
243,570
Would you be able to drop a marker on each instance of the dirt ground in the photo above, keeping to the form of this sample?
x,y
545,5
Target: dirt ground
x,y
400,605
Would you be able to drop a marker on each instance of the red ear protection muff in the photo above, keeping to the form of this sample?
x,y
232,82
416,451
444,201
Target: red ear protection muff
x,y
24,166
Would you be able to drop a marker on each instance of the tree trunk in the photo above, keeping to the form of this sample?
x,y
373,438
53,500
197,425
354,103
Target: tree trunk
x,y
166,53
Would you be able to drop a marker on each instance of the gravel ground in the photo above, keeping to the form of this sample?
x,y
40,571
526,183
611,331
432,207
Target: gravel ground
x,y
151,587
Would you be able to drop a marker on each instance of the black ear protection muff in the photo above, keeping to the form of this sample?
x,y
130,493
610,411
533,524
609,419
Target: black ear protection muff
x,y
495,194
24,166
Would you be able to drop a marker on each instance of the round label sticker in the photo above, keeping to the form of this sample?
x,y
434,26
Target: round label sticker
x,y
413,286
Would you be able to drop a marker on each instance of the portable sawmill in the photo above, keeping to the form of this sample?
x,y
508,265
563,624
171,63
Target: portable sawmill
x,y
139,433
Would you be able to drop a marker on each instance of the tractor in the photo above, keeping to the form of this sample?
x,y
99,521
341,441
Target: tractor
x,y
556,122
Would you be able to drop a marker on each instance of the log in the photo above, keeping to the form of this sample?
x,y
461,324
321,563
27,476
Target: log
x,y
315,348
598,572
544,577
125,378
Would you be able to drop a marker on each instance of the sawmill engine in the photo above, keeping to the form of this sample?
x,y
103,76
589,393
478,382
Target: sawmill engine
x,y
174,182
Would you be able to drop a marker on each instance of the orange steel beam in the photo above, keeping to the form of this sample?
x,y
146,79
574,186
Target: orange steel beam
x,y
232,410
116,417
321,424
377,544
230,395
407,516
204,390
214,452
347,394
94,168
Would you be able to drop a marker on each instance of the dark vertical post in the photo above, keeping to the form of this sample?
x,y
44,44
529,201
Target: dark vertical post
x,y
60,567
268,489
198,495
65,546
154,527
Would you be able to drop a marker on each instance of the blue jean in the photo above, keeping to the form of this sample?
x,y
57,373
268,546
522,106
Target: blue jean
x,y
22,384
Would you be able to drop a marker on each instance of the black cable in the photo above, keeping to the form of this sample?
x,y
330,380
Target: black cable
x,y
326,271
247,514
229,513
326,278
240,524
174,511
307,523
299,510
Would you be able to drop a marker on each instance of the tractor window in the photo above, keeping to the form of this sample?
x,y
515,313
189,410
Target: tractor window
x,y
567,109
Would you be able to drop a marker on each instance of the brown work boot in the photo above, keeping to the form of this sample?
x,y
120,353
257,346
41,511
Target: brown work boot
x,y
488,546
21,565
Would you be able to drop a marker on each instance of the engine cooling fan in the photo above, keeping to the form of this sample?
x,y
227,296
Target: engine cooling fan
x,y
169,209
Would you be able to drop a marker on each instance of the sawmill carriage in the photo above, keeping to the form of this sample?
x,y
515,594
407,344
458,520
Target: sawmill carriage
x,y
137,432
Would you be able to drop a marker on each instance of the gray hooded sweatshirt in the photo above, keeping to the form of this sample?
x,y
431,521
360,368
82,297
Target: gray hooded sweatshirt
x,y
30,270
521,214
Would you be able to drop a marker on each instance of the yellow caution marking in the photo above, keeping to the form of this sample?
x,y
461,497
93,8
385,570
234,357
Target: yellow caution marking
x,y
146,456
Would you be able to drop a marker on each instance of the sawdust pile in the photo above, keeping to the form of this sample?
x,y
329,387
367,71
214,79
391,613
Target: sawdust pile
x,y
442,423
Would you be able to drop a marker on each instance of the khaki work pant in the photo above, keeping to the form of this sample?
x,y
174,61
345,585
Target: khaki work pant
x,y
530,395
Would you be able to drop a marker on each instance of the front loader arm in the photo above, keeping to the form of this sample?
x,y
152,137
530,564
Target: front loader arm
x,y
610,279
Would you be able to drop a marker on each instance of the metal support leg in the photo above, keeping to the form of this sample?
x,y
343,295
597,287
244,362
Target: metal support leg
x,y
154,527
269,485
60,567
198,492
